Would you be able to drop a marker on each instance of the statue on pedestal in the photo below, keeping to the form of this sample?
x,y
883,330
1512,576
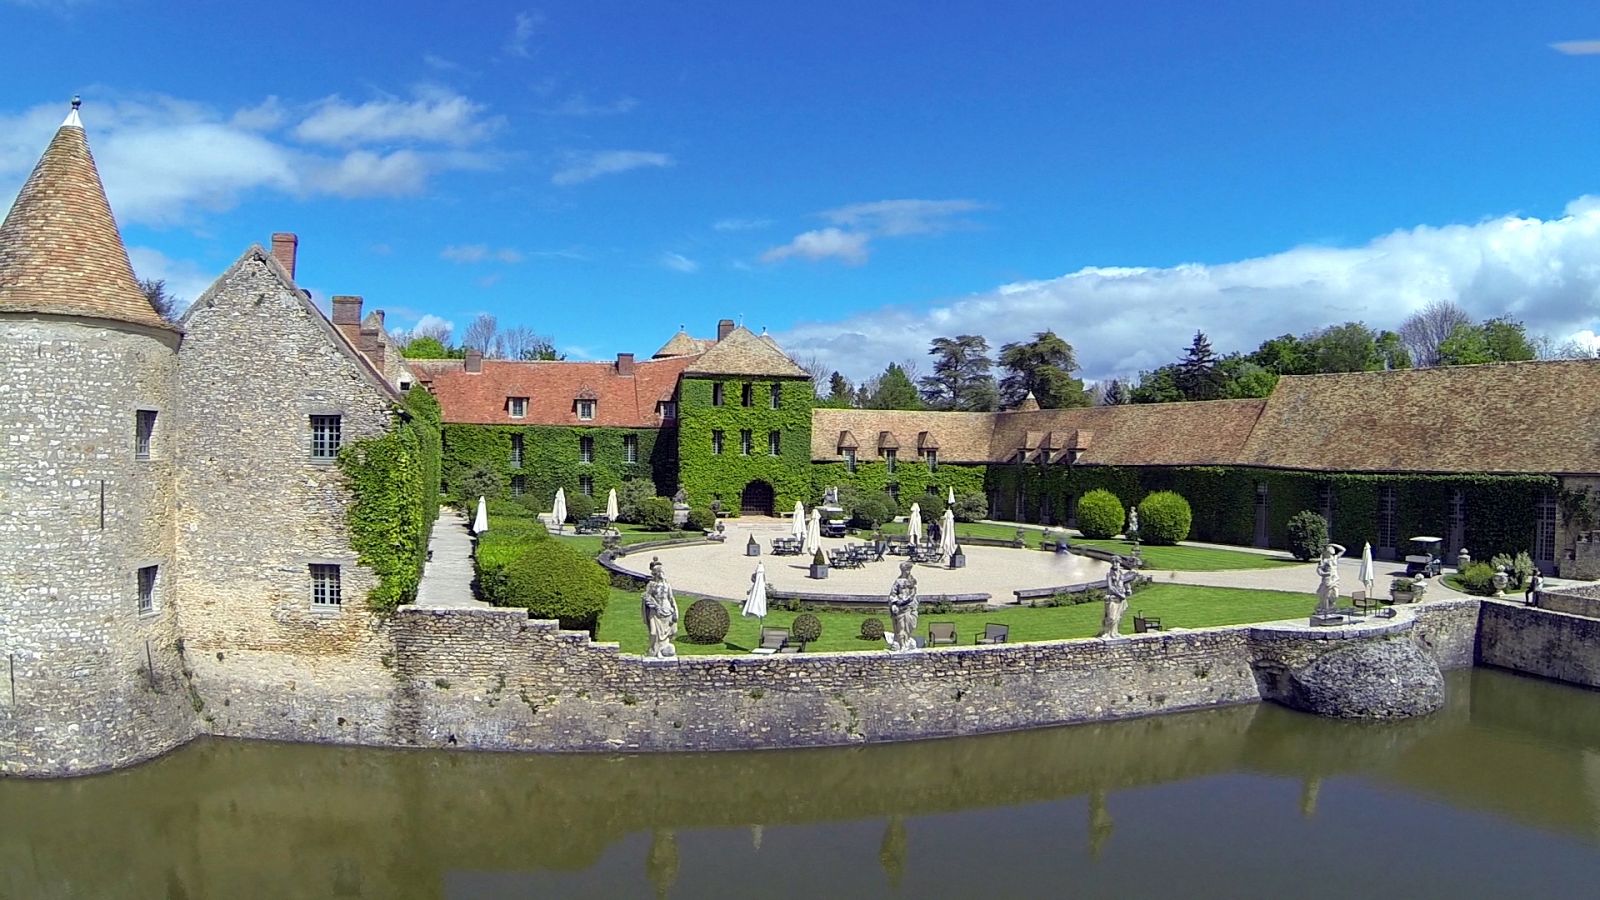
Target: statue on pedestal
x,y
903,605
660,610
1119,585
1328,570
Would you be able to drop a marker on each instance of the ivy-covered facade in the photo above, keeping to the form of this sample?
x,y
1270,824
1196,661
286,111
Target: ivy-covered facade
x,y
744,442
536,460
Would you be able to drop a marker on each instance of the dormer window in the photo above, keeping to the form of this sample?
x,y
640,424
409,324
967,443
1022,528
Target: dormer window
x,y
668,410
585,410
517,407
931,457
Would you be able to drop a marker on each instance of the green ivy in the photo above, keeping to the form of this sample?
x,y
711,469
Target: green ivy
x,y
705,476
394,480
913,478
550,457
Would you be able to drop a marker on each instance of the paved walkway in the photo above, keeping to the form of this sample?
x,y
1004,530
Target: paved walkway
x,y
447,578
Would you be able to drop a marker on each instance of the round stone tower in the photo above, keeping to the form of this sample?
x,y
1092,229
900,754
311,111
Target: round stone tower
x,y
91,675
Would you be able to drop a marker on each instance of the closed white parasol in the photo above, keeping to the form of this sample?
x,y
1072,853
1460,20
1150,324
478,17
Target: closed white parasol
x,y
798,526
611,505
755,602
947,533
480,522
813,541
1368,575
914,524
559,513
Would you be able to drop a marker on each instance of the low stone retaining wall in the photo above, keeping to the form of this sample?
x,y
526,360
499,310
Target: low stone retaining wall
x,y
1539,642
873,602
1578,600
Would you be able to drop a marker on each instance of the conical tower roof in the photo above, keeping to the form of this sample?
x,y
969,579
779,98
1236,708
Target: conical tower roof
x,y
60,251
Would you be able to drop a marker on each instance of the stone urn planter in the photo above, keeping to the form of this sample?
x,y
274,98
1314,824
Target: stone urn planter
x,y
958,559
751,548
819,566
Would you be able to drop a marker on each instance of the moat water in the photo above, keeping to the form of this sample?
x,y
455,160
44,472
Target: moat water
x,y
1498,795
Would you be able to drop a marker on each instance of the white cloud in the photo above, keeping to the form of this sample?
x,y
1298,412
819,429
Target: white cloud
x,y
738,224
165,160
1545,273
436,116
185,279
479,253
677,262
522,29
849,247
581,106
894,218
1577,48
585,167
430,322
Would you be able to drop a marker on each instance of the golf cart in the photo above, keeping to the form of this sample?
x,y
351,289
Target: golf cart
x,y
1424,556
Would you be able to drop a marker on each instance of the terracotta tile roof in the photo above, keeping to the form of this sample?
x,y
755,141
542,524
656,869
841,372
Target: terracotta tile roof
x,y
681,344
60,251
1536,417
963,436
551,388
1153,434
745,353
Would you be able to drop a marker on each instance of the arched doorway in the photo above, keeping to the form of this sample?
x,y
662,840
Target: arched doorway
x,y
756,499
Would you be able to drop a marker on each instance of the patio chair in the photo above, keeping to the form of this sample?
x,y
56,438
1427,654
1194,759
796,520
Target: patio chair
x,y
793,647
773,638
1143,623
1362,602
993,634
941,633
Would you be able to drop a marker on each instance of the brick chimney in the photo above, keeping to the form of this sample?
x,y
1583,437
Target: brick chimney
x,y
372,339
474,362
285,246
724,328
625,364
347,317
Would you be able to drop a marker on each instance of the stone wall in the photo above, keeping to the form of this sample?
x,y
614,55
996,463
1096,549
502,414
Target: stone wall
x,y
1539,642
87,681
1577,600
1448,630
256,510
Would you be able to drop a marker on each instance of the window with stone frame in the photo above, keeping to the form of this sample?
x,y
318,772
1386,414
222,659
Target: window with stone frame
x,y
586,485
517,407
630,448
889,458
325,588
716,394
774,443
716,442
147,589
586,449
519,485
746,441
747,395
516,451
777,394
849,459
931,457
325,437
586,410
144,431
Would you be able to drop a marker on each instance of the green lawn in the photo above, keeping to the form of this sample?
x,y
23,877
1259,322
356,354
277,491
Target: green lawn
x,y
589,544
1180,606
1193,559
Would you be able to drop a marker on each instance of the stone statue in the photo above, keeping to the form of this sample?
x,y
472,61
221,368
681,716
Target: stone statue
x,y
1328,570
1119,585
660,610
1501,579
1133,521
831,497
903,609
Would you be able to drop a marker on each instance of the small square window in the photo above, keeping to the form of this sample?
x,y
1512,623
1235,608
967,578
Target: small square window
x,y
517,407
325,437
325,592
519,485
144,430
747,395
777,394
586,449
586,485
716,442
774,442
147,590
745,441
630,448
516,451
716,394
585,410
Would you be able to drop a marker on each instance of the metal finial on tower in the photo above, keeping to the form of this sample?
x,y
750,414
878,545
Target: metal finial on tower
x,y
72,120
76,101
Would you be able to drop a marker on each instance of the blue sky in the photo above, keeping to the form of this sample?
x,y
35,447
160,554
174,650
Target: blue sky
x,y
857,178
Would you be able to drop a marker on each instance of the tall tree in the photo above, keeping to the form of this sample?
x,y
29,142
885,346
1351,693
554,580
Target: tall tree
x,y
961,378
1159,386
1425,330
1243,378
841,394
167,305
893,390
426,347
814,367
1283,355
1351,347
1197,374
1392,352
522,342
1045,366
482,335
1116,393
1496,340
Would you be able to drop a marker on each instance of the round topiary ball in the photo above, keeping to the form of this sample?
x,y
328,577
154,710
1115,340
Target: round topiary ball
x,y
805,628
1164,518
706,622
872,630
554,581
1100,514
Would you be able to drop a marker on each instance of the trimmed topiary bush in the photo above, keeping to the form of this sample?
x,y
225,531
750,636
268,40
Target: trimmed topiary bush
x,y
706,622
1164,518
553,581
701,519
579,507
805,628
872,630
869,509
1100,514
655,513
1478,579
933,506
1308,535
971,507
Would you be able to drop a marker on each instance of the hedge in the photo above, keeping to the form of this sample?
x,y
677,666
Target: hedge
x,y
1164,518
394,483
1100,514
553,581
706,476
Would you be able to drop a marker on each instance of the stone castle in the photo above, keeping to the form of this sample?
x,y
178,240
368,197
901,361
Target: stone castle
x,y
175,558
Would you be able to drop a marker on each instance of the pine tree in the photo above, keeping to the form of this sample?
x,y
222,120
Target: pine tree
x,y
1044,366
961,378
1197,374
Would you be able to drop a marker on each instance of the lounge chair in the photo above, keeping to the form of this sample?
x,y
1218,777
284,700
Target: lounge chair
x,y
941,633
1143,623
773,638
793,647
993,634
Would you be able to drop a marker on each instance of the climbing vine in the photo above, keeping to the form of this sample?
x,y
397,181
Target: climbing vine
x,y
706,476
552,457
394,480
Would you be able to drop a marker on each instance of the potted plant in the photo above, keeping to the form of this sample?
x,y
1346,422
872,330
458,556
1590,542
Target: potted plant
x,y
751,548
1402,590
819,565
958,559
